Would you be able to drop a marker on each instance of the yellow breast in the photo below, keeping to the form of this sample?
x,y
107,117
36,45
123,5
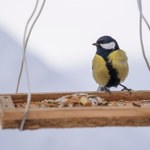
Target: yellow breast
x,y
100,71
118,59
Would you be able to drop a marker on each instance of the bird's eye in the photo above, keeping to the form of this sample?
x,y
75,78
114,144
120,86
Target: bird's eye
x,y
101,42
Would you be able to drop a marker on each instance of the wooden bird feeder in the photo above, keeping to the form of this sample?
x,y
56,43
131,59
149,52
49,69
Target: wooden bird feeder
x,y
120,109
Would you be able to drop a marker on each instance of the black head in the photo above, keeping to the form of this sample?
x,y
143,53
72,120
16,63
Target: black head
x,y
106,43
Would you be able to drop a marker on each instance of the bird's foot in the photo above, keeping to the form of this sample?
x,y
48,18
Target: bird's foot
x,y
125,88
104,89
107,90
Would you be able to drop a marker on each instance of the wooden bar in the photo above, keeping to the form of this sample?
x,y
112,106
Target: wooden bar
x,y
7,103
94,116
125,95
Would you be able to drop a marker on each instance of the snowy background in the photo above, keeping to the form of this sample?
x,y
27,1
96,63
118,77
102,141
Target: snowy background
x,y
59,56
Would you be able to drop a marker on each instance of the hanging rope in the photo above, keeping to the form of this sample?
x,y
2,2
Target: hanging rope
x,y
141,31
25,42
26,68
24,61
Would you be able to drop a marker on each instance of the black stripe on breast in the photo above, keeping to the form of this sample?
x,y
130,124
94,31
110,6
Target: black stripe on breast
x,y
114,80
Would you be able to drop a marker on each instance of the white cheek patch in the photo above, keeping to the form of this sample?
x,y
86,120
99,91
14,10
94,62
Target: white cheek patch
x,y
110,45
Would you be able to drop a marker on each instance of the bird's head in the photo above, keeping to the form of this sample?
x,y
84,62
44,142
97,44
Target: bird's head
x,y
106,43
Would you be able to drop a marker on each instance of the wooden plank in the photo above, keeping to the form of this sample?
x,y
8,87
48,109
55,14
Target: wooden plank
x,y
115,95
1,110
7,103
85,117
131,115
1,114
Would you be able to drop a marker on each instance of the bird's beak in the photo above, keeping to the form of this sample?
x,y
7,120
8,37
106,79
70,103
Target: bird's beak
x,y
95,44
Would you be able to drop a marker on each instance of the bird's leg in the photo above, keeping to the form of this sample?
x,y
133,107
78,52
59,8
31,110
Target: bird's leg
x,y
99,88
125,88
107,90
103,89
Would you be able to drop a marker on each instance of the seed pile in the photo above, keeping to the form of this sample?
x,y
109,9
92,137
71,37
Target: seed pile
x,y
82,99
79,99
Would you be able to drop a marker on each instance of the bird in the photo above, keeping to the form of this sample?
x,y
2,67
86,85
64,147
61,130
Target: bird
x,y
110,64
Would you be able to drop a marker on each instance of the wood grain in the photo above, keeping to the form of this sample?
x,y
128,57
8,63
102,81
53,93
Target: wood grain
x,y
79,116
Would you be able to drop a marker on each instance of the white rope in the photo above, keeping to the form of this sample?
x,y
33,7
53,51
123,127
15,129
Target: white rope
x,y
25,42
28,98
141,31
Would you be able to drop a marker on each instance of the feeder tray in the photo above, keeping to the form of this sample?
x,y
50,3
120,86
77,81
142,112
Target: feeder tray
x,y
46,111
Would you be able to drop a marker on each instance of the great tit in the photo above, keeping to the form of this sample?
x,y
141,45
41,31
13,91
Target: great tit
x,y
109,66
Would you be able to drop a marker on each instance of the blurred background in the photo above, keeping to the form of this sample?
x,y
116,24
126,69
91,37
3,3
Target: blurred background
x,y
59,57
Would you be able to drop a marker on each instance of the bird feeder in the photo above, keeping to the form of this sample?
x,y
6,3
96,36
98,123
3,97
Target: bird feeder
x,y
71,110
47,111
